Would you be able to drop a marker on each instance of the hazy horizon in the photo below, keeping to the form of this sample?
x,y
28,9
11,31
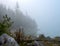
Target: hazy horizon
x,y
45,12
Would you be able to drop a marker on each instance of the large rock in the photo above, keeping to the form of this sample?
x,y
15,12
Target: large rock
x,y
6,40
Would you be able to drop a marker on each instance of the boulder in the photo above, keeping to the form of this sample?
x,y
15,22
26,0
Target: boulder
x,y
6,40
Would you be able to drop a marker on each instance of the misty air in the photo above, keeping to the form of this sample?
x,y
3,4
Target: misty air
x,y
29,23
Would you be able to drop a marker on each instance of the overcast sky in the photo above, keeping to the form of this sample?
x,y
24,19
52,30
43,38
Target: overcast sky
x,y
45,12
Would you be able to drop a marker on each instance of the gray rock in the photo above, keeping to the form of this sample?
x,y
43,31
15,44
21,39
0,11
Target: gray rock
x,y
6,40
38,43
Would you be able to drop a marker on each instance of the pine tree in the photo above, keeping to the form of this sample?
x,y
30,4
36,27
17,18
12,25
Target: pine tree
x,y
5,24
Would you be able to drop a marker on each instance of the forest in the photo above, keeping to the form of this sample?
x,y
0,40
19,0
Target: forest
x,y
22,28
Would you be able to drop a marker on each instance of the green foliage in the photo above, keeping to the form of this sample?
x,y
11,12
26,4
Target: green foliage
x,y
5,24
42,37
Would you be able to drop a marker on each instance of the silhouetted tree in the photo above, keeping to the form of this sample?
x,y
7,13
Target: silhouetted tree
x,y
42,37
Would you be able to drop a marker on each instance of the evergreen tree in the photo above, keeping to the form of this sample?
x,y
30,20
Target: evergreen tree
x,y
5,24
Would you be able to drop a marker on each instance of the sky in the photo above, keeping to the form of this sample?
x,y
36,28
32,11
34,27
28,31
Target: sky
x,y
45,12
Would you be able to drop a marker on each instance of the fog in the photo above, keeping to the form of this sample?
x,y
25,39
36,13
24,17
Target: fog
x,y
46,13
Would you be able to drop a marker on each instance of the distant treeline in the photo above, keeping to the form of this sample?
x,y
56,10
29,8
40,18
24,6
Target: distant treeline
x,y
20,20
